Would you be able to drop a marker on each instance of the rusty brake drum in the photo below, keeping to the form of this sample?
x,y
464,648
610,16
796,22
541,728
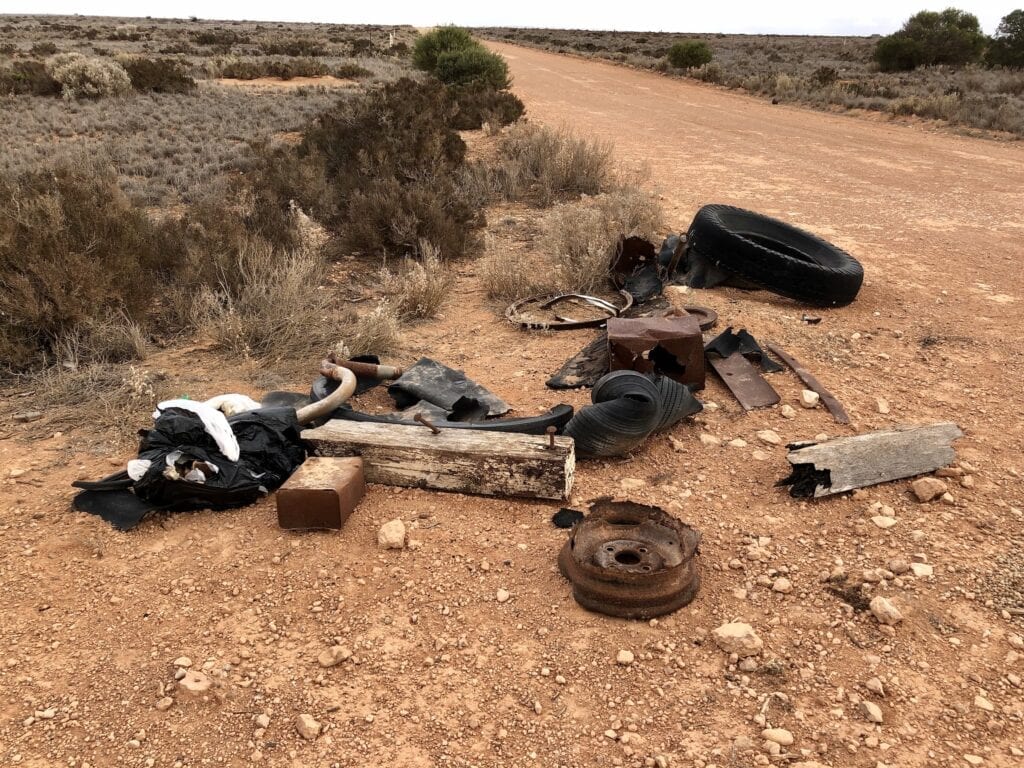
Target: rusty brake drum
x,y
631,560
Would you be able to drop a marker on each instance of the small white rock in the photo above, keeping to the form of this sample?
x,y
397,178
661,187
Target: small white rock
x,y
624,658
788,412
982,703
778,735
871,711
769,436
884,521
502,595
783,585
709,440
307,727
737,637
882,404
885,611
195,682
922,569
809,399
392,535
182,661
333,656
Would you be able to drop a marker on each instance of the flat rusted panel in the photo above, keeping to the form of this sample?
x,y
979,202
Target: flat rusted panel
x,y
744,381
671,346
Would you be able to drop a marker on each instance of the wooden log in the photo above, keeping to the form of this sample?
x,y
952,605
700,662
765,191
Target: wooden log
x,y
463,460
820,469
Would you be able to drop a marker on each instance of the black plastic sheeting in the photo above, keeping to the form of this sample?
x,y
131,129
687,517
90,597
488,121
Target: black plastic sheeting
x,y
443,386
628,407
728,343
270,450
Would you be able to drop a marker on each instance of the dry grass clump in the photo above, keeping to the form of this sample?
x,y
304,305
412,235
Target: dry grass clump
x,y
420,286
575,247
267,304
376,332
545,164
508,273
581,237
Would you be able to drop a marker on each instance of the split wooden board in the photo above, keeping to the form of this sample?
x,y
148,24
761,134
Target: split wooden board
x,y
463,460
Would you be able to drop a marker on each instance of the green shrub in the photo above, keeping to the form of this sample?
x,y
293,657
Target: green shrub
x,y
479,104
293,47
429,47
88,77
28,77
1007,46
158,75
927,38
472,65
78,253
689,54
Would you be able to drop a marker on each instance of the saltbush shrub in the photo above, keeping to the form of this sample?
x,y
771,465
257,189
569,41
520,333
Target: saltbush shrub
x,y
158,75
87,77
479,104
77,253
689,54
28,77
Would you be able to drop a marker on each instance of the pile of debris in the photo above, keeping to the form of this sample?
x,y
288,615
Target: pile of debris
x,y
449,433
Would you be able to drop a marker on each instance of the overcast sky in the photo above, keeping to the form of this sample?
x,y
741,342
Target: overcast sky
x,y
735,16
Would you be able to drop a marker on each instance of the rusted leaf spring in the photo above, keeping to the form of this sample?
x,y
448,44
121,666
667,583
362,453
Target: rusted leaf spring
x,y
515,312
631,560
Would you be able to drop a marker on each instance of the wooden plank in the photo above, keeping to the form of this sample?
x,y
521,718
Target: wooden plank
x,y
463,460
831,403
876,457
743,380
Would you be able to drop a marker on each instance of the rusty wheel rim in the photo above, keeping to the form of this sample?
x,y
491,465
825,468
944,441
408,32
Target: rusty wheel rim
x,y
631,560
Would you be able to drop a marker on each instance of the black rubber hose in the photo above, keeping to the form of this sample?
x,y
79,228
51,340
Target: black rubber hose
x,y
557,417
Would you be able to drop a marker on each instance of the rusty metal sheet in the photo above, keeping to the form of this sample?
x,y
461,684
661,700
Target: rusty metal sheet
x,y
834,406
671,346
743,380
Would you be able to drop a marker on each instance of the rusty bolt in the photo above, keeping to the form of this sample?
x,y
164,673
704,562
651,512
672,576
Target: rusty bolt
x,y
551,437
426,423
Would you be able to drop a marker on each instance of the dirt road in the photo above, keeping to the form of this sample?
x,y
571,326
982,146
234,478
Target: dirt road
x,y
97,625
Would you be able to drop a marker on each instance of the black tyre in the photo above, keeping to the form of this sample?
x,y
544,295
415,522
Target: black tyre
x,y
626,410
775,256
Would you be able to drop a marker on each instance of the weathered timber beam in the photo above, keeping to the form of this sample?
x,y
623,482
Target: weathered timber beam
x,y
486,463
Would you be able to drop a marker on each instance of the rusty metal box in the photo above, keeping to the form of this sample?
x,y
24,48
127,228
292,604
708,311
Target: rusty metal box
x,y
322,493
672,346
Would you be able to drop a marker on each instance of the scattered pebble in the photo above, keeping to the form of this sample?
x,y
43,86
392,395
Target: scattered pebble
x,y
883,521
871,711
779,735
392,535
783,585
195,682
809,399
162,705
739,638
182,661
769,436
928,488
885,611
624,658
502,595
333,656
307,727
709,440
882,404
788,412
922,569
